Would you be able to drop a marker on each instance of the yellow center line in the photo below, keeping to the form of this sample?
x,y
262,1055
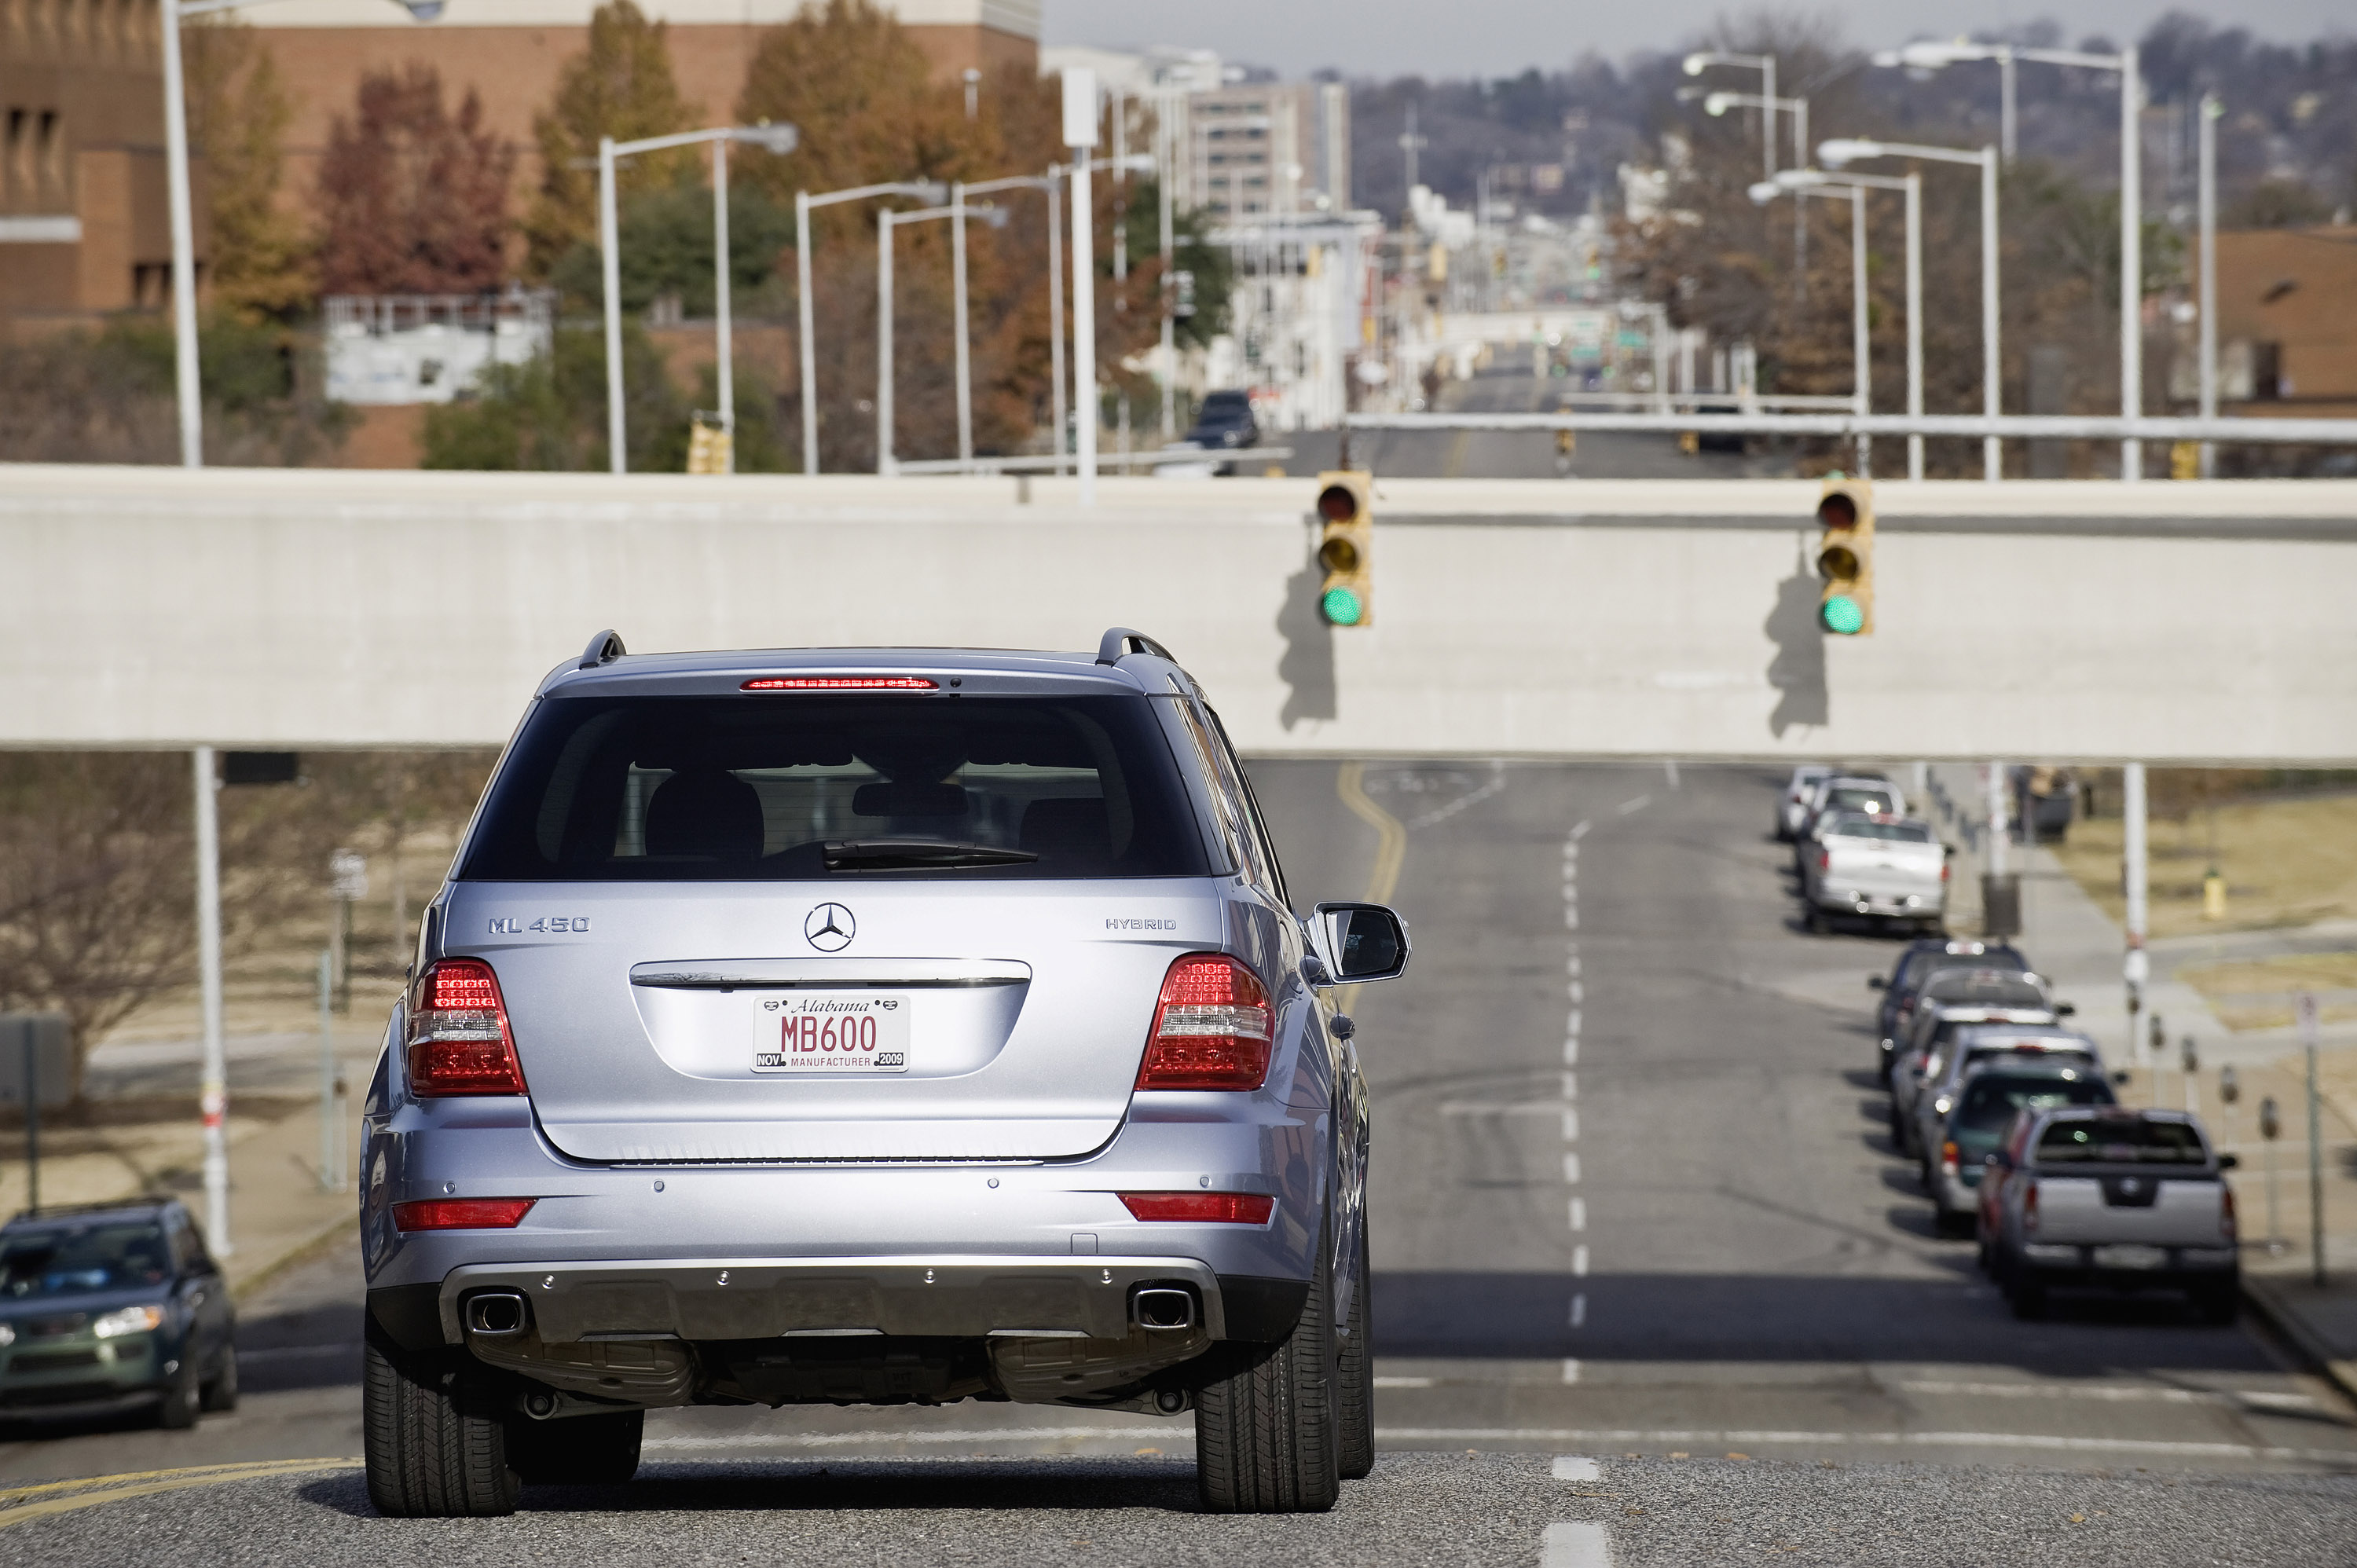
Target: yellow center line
x,y
1391,834
96,1489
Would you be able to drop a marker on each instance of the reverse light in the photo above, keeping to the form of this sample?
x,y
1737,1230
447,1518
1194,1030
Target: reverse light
x,y
1211,1027
459,1037
462,1213
1202,1207
840,684
127,1320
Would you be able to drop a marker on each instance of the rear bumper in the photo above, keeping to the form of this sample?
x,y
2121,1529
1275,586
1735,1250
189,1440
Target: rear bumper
x,y
1864,901
2072,1263
950,1297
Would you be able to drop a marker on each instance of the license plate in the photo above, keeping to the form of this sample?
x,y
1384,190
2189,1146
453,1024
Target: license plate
x,y
2128,1257
832,1033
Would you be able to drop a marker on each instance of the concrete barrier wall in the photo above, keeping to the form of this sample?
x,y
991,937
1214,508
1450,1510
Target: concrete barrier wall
x,y
150,608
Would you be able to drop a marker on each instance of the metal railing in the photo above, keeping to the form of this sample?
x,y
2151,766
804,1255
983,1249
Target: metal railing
x,y
2008,426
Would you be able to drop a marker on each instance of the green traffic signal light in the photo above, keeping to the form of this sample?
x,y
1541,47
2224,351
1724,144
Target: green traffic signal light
x,y
1342,606
1841,614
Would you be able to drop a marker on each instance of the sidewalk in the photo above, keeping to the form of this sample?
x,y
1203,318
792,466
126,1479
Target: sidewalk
x,y
2077,945
276,1210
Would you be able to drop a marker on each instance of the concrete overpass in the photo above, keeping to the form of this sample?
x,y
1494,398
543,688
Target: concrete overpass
x,y
153,608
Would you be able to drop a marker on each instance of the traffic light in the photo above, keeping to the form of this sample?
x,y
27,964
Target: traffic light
x,y
1345,548
1845,557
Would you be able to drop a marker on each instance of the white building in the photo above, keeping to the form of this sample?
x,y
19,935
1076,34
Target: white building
x,y
410,348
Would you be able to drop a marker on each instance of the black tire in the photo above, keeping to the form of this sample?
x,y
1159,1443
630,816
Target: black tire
x,y
1354,1381
220,1395
578,1451
183,1400
1265,1436
437,1445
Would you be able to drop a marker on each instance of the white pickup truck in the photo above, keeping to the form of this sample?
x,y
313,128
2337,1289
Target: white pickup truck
x,y
2109,1197
1893,868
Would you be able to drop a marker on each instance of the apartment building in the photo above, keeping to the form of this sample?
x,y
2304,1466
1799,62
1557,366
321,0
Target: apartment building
x,y
1262,150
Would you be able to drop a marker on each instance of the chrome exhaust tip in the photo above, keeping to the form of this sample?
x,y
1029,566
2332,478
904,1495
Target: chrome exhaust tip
x,y
498,1314
1163,1308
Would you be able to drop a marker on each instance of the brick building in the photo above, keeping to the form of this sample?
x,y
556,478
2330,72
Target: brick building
x,y
83,218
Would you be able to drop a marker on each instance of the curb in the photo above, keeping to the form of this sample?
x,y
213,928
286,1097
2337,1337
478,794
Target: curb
x,y
2260,1296
300,1251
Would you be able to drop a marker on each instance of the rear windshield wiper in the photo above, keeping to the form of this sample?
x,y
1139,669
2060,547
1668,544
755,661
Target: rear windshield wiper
x,y
916,855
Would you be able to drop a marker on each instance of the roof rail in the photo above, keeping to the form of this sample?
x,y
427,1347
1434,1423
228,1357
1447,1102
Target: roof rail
x,y
604,649
1116,640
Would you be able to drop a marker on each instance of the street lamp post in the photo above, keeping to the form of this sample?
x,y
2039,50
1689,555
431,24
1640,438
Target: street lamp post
x,y
1718,103
1047,183
1840,152
886,222
1080,136
187,384
929,191
1912,185
2206,199
1702,60
777,138
1935,56
1862,376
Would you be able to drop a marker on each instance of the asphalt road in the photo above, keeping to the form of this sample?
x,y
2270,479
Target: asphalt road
x,y
1650,1288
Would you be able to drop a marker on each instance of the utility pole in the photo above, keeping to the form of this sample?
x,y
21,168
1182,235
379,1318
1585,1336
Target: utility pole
x,y
2136,967
609,263
2131,259
214,1100
2314,1144
1411,144
1166,134
957,290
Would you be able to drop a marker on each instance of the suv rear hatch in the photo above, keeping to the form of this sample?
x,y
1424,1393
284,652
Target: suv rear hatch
x,y
914,922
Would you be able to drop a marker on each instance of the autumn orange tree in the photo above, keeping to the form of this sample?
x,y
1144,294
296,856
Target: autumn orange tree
x,y
258,260
413,199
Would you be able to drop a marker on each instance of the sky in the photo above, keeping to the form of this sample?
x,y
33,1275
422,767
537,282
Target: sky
x,y
1500,37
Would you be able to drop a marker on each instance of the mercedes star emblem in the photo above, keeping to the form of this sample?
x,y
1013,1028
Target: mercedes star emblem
x,y
830,928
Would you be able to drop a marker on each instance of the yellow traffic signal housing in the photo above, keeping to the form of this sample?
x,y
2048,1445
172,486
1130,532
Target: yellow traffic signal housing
x,y
1345,548
1845,557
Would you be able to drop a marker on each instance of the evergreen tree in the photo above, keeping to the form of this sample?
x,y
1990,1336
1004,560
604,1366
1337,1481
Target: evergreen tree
x,y
258,260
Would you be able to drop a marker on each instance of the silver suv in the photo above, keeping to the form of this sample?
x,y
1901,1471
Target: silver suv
x,y
868,1026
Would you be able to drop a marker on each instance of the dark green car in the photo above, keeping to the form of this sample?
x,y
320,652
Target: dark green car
x,y
112,1308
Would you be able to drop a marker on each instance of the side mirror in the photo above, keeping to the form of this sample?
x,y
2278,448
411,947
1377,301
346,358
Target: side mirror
x,y
2228,1162
1876,983
2065,1009
1368,942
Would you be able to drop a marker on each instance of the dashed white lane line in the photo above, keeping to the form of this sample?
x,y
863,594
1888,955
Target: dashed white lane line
x,y
1575,991
1576,1545
1579,1261
1570,1369
1639,804
1670,766
1571,1170
1579,1214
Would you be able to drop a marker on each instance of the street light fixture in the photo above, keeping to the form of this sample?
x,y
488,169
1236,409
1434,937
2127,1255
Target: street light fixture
x,y
775,138
1913,185
1717,103
932,192
1928,57
886,222
1843,151
187,384
1051,184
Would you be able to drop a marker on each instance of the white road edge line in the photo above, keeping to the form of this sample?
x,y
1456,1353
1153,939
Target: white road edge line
x,y
1578,1545
2343,1457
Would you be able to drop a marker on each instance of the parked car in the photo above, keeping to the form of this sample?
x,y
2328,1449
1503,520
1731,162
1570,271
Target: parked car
x,y
1795,802
843,1027
1951,1003
1885,868
1840,793
1986,1104
2111,1197
1968,1048
114,1306
1923,959
1225,422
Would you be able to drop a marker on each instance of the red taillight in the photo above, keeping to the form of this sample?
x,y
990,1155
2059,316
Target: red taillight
x,y
2226,1212
462,1213
2029,1206
1211,1028
840,684
1203,1208
1943,871
458,1036
1824,858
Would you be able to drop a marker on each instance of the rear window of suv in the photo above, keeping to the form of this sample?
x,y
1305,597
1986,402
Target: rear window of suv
x,y
2124,1141
1867,828
792,787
